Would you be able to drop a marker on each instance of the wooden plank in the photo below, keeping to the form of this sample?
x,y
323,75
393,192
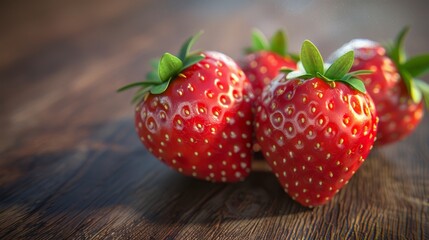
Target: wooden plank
x,y
194,209
72,166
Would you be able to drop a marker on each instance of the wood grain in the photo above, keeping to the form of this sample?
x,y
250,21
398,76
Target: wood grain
x,y
72,167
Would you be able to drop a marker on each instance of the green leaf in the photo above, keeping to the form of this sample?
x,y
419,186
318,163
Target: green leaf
x,y
415,93
139,94
286,70
160,88
129,86
424,88
191,60
298,74
354,74
259,41
169,65
341,66
417,65
346,77
326,66
278,43
311,58
360,72
164,70
397,52
184,50
355,83
153,76
407,79
294,57
324,77
135,84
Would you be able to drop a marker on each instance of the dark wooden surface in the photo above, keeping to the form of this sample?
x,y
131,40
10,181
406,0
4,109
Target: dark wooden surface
x,y
71,165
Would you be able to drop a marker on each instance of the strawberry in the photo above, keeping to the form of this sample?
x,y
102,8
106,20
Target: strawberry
x,y
316,127
392,85
265,59
194,115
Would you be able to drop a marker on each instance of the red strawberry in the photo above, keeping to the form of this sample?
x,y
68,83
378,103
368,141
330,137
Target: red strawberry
x,y
264,61
316,127
397,96
195,115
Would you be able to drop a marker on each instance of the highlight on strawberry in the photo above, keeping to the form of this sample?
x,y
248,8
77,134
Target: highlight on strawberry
x,y
194,114
316,126
394,86
265,58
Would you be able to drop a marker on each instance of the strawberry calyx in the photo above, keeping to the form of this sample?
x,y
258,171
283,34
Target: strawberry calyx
x,y
313,66
164,70
411,68
277,44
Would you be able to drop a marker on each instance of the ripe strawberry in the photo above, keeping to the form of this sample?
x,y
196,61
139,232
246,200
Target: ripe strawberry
x,y
264,60
397,96
195,115
316,127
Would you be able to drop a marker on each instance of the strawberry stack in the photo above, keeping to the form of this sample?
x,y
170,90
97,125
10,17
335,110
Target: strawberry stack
x,y
314,122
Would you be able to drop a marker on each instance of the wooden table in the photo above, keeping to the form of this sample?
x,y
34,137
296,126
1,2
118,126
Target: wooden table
x,y
71,165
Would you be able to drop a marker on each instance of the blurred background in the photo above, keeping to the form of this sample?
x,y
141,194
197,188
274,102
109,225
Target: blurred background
x,y
32,25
